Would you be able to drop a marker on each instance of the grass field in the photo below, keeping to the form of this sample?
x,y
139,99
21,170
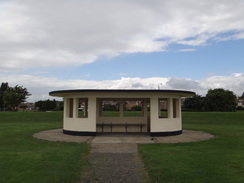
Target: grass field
x,y
218,160
24,159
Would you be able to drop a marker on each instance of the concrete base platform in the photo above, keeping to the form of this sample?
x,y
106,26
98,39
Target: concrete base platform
x,y
57,135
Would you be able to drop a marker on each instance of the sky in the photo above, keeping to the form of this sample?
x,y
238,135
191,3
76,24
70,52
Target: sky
x,y
122,44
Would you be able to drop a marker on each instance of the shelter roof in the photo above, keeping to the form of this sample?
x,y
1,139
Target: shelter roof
x,y
62,93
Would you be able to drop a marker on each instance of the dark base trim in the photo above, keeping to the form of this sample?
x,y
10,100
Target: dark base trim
x,y
123,133
77,133
153,134
158,134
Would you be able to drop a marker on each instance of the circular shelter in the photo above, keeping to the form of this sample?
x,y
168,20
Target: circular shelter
x,y
92,111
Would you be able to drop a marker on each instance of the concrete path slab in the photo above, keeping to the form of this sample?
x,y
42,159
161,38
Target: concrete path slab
x,y
112,163
113,148
123,139
187,136
57,135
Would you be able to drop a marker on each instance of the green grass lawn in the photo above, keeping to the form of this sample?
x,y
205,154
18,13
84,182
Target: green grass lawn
x,y
217,160
24,159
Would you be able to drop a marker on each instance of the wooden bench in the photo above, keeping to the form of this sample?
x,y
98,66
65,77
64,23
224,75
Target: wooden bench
x,y
126,125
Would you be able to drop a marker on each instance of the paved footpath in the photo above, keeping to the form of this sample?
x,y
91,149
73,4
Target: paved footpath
x,y
114,158
57,135
113,163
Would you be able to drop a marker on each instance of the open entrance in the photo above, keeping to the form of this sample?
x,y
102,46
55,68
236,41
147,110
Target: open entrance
x,y
123,115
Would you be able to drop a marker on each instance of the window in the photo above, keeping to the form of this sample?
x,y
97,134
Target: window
x,y
82,108
110,108
132,108
163,106
175,108
70,107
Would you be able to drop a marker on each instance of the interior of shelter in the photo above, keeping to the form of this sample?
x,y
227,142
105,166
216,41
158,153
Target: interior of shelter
x,y
123,115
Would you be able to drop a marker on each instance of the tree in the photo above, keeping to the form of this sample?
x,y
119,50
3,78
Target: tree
x,y
13,96
3,89
195,103
49,105
38,104
136,108
220,100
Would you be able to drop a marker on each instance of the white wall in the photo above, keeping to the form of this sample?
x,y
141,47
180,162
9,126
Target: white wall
x,y
164,124
81,124
89,124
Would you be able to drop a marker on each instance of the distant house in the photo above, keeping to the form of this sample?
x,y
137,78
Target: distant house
x,y
26,106
129,104
240,101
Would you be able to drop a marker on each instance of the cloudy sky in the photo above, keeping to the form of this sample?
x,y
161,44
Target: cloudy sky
x,y
168,44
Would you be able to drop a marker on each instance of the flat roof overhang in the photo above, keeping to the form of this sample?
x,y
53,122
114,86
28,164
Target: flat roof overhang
x,y
63,93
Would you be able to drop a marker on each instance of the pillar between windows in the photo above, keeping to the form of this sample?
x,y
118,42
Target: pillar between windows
x,y
170,106
69,107
121,107
75,107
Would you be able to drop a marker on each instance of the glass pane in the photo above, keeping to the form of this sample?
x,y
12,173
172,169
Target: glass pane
x,y
175,108
70,108
110,108
133,108
163,108
82,108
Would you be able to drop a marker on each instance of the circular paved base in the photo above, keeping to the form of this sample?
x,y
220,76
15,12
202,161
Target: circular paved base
x,y
187,136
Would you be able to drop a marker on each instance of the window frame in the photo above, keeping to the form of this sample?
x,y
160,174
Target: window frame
x,y
70,107
101,107
160,109
176,108
85,112
133,101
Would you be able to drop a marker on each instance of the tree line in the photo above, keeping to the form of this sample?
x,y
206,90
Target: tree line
x,y
219,100
216,100
49,105
11,97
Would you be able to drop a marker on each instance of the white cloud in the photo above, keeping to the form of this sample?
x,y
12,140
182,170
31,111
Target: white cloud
x,y
39,86
233,36
124,74
55,33
183,84
61,33
234,82
186,50
237,74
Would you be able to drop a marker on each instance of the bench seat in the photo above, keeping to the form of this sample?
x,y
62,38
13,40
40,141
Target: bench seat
x,y
120,124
